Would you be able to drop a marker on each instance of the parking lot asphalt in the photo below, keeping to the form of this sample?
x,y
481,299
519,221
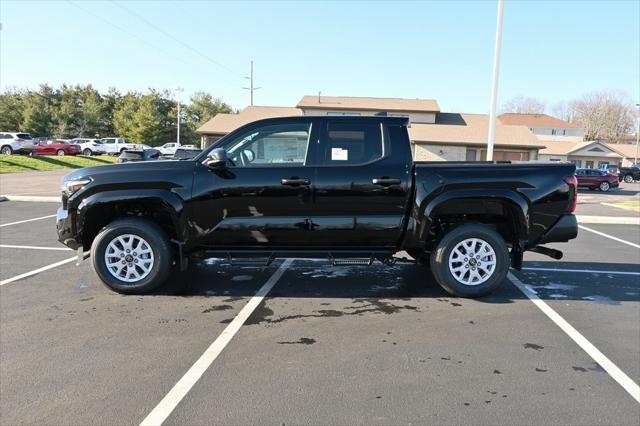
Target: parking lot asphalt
x,y
328,345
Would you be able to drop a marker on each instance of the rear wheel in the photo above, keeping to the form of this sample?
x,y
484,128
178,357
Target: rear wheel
x,y
604,186
61,152
6,150
87,152
628,178
132,256
470,260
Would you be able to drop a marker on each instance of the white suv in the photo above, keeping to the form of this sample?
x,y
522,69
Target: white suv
x,y
171,147
90,146
16,143
115,146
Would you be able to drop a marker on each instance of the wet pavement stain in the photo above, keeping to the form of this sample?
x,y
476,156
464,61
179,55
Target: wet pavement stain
x,y
86,299
301,341
497,372
233,299
217,308
226,321
261,314
541,370
533,346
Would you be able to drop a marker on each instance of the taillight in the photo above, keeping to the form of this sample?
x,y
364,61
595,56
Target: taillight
x,y
572,181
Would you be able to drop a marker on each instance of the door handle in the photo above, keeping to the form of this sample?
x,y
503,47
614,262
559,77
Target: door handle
x,y
384,181
295,181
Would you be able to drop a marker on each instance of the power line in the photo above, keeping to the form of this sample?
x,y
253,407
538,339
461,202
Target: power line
x,y
182,43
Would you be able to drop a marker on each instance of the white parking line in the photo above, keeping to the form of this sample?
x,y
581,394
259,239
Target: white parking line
x,y
609,236
165,407
37,271
616,373
27,220
590,271
33,247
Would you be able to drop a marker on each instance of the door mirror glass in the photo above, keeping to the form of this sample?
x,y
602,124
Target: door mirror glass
x,y
217,158
249,155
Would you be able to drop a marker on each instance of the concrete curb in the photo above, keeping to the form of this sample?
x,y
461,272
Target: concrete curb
x,y
608,220
35,198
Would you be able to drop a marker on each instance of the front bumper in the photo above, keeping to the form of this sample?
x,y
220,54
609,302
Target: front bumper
x,y
565,229
66,229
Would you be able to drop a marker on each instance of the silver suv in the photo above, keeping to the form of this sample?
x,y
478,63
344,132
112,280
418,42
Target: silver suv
x,y
16,143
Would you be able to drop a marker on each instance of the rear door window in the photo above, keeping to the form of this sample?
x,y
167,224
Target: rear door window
x,y
25,136
351,142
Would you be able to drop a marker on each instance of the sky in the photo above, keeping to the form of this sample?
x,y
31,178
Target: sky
x,y
551,50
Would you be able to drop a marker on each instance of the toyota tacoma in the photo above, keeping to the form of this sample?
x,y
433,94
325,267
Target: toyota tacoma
x,y
342,188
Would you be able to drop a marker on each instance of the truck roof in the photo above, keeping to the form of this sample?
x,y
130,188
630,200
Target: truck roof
x,y
382,118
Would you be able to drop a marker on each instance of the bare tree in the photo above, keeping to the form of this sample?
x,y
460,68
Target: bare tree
x,y
606,116
524,105
563,111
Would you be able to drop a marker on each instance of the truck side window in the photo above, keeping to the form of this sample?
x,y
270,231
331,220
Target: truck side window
x,y
351,143
279,145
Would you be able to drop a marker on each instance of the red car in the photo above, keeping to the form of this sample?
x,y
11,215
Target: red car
x,y
597,179
57,147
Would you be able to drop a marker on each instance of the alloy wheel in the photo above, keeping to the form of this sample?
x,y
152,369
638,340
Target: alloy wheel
x,y
472,261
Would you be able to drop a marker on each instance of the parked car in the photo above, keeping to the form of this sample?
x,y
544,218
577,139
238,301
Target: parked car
x,y
57,147
186,154
16,143
597,179
90,147
354,195
169,149
626,174
115,146
128,155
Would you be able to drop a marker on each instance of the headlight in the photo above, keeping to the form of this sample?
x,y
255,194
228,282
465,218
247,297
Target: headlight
x,y
71,186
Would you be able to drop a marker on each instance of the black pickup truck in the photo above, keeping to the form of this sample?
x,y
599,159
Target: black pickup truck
x,y
345,188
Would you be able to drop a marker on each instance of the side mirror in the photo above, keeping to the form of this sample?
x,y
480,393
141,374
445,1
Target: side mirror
x,y
217,158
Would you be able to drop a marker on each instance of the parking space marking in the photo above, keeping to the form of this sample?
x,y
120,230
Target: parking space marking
x,y
592,271
609,236
616,373
27,220
165,407
33,247
37,271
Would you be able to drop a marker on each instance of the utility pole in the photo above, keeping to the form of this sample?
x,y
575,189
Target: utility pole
x,y
251,88
179,90
635,161
494,86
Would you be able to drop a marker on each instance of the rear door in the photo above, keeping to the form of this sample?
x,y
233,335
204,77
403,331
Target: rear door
x,y
362,183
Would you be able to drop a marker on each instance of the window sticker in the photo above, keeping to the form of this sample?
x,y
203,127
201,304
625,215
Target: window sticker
x,y
339,154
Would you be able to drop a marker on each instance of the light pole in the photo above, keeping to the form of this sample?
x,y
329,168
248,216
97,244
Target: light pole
x,y
251,88
635,161
494,85
179,90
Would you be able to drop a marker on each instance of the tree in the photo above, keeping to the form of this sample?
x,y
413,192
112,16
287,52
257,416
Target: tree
x,y
202,108
524,105
606,116
563,111
125,108
11,110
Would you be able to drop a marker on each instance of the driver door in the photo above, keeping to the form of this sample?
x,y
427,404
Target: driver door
x,y
264,197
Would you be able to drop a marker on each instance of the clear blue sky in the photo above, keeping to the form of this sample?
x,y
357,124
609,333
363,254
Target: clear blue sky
x,y
551,50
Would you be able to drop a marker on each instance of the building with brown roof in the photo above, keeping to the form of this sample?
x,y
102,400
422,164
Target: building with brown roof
x,y
590,154
543,124
435,136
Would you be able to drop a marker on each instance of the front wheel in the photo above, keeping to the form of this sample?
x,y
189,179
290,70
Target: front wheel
x,y
6,150
470,261
604,186
132,256
87,152
61,152
628,179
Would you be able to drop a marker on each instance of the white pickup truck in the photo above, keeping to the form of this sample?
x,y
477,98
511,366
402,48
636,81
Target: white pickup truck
x,y
115,146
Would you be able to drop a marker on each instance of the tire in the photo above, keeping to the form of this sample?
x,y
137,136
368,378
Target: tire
x,y
147,233
628,179
479,282
60,152
6,150
604,186
87,152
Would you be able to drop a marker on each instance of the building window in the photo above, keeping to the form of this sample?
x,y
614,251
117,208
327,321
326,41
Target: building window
x,y
506,155
578,163
589,164
471,155
602,163
340,113
553,132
